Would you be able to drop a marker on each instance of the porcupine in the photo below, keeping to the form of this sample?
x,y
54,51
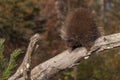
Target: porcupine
x,y
80,29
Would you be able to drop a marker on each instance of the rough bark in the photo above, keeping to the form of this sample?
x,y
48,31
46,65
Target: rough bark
x,y
64,60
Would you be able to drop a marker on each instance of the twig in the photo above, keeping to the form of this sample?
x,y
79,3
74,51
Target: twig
x,y
24,68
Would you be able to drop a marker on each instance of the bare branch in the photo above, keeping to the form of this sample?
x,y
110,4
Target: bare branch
x,y
65,59
24,68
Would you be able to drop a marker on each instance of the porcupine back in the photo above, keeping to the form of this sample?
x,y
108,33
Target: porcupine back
x,y
80,29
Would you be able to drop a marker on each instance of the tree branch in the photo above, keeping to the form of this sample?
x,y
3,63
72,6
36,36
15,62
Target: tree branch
x,y
25,67
48,69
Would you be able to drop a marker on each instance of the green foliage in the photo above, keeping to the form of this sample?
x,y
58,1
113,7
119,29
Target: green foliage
x,y
91,69
67,75
2,59
6,67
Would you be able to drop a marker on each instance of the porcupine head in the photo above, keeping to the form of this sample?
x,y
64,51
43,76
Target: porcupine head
x,y
79,29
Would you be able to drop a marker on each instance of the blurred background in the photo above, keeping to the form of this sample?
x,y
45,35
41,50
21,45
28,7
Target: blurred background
x,y
20,19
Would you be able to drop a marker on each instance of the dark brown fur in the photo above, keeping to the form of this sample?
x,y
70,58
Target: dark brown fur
x,y
80,29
